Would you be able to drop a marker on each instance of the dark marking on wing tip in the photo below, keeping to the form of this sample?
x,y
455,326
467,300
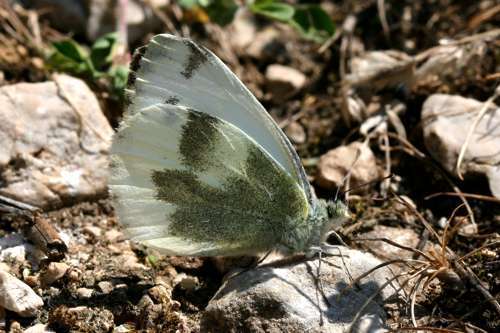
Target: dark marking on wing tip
x,y
172,100
135,64
197,57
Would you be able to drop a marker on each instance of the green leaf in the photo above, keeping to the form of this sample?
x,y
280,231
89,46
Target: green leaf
x,y
313,23
222,11
69,56
274,10
102,52
119,76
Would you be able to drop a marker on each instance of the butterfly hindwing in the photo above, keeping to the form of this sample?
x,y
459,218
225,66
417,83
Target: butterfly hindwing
x,y
193,184
176,71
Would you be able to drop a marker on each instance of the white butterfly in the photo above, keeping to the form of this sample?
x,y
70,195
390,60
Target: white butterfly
x,y
199,168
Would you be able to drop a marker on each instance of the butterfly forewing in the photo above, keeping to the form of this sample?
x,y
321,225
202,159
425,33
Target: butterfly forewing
x,y
193,184
176,71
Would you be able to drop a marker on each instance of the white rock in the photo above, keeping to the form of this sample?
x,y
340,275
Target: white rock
x,y
447,120
336,163
285,298
59,138
17,296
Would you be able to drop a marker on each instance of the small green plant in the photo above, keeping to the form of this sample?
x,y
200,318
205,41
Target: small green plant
x,y
310,20
95,64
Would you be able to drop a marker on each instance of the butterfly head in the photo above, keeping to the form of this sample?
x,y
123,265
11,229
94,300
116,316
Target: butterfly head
x,y
337,210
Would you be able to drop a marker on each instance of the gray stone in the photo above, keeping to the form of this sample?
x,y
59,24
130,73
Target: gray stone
x,y
336,163
17,296
55,142
447,120
285,298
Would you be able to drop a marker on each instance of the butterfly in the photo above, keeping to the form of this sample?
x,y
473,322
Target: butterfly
x,y
199,168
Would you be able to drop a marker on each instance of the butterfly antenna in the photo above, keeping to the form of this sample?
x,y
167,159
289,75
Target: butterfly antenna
x,y
348,174
368,183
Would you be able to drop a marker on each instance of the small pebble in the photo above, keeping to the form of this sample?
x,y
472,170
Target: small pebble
x,y
54,272
84,293
113,235
105,286
92,231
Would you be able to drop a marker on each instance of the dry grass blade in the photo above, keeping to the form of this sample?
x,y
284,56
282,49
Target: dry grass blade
x,y
427,328
372,297
411,150
466,195
471,253
393,243
480,115
413,297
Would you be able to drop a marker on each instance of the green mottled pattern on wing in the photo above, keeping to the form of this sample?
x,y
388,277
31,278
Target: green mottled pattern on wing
x,y
217,187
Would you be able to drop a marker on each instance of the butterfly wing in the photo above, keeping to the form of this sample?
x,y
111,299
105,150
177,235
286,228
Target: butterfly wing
x,y
192,184
176,71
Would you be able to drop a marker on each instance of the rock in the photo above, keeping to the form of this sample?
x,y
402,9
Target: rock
x,y
282,81
17,296
38,328
95,18
55,142
54,272
446,122
336,163
284,299
296,132
81,319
